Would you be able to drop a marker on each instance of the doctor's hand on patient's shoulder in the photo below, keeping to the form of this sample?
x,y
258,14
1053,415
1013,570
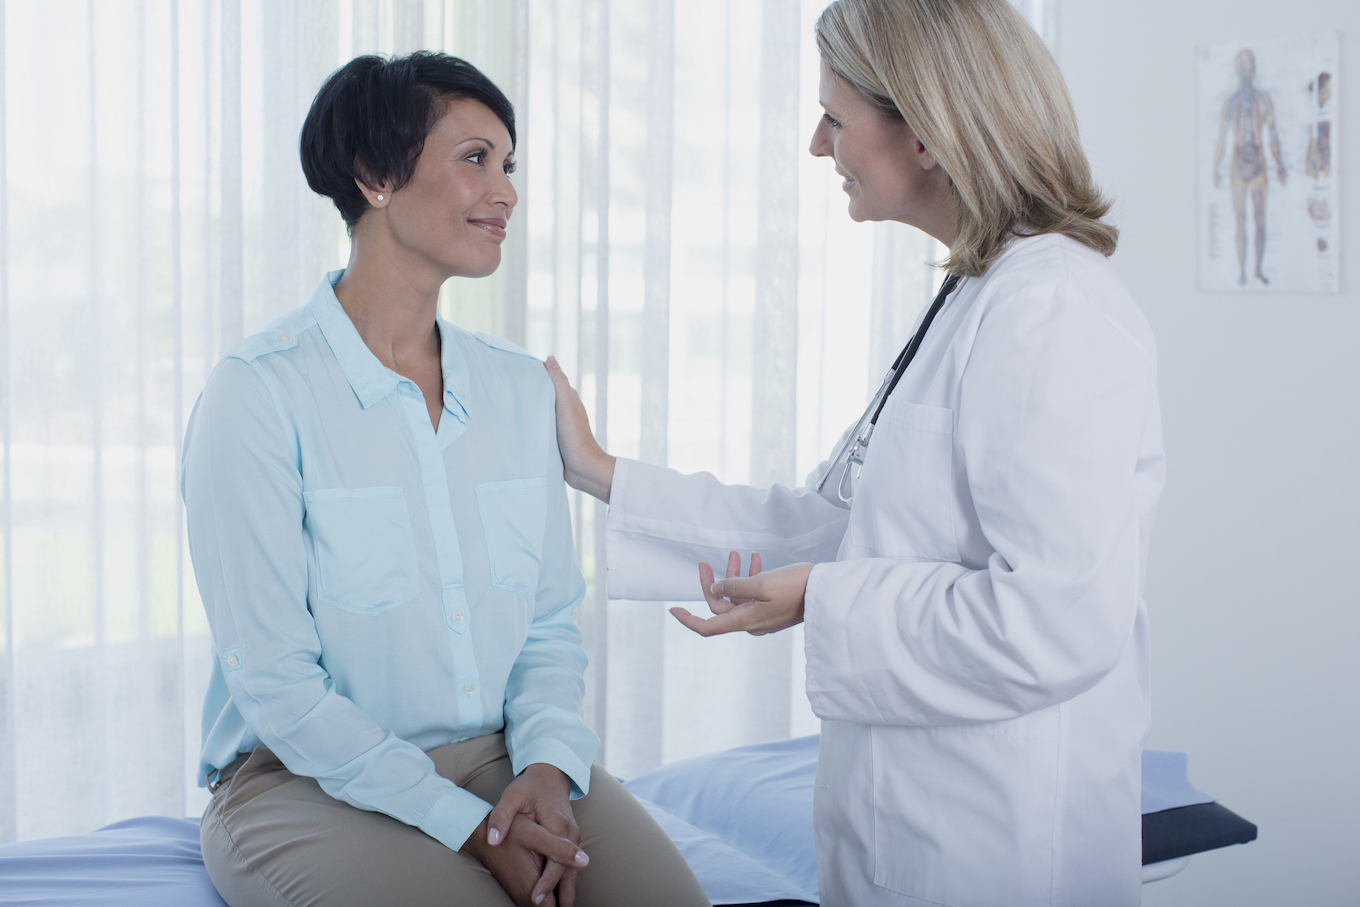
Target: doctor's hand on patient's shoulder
x,y
529,842
585,465
763,602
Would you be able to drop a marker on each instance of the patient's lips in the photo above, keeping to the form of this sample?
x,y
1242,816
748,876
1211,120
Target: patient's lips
x,y
493,225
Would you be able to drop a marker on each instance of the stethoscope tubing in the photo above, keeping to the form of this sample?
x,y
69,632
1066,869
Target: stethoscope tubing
x,y
859,438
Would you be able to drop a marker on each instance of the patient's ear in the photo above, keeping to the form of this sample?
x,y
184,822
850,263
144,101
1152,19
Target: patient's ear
x,y
377,196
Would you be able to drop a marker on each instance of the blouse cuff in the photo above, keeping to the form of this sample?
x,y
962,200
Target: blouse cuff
x,y
454,817
560,756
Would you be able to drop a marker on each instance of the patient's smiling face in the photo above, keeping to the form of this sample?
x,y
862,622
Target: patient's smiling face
x,y
455,209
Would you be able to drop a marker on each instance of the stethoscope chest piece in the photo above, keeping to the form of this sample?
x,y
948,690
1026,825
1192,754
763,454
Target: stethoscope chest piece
x,y
854,467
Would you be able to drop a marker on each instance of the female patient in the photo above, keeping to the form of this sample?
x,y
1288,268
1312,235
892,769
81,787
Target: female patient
x,y
379,528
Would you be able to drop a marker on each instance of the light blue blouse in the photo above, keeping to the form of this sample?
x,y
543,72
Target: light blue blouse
x,y
376,588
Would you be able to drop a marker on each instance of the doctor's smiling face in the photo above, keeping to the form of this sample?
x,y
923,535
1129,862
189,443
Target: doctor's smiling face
x,y
888,173
453,213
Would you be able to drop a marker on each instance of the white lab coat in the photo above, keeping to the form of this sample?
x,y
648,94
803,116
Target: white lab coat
x,y
977,642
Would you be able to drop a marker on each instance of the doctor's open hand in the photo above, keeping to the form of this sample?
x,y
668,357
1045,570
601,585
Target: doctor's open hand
x,y
585,465
764,602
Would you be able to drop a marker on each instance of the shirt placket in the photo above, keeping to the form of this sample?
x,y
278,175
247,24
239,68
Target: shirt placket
x,y
448,553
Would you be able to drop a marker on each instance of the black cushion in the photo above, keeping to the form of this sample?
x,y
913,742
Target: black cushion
x,y
1180,832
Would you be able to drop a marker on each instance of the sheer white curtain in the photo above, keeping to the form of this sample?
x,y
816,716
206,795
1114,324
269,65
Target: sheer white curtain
x,y
676,247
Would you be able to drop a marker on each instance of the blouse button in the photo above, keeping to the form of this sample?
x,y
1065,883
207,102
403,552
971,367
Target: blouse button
x,y
232,661
457,617
468,688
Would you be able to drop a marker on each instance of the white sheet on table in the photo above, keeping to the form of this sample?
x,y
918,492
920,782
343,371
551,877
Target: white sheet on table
x,y
755,800
152,861
1166,782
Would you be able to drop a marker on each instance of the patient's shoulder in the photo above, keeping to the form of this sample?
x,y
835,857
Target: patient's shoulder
x,y
499,367
279,335
500,343
505,358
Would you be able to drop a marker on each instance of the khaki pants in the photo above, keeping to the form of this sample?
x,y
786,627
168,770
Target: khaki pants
x,y
274,838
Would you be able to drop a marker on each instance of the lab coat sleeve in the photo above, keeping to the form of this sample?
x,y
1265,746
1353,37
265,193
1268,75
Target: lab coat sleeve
x,y
546,689
242,486
1053,404
662,523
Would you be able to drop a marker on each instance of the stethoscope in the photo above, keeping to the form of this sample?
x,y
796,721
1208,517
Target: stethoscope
x,y
850,458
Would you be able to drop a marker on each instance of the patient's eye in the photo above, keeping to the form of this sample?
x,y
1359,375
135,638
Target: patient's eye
x,y
510,167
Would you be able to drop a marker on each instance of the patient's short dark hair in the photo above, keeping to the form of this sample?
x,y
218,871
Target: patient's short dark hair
x,y
369,121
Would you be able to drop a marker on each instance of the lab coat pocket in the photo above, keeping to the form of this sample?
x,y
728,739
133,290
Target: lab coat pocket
x,y
364,550
513,515
904,501
962,814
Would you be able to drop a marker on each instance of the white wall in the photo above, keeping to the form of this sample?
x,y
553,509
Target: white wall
x,y
1252,587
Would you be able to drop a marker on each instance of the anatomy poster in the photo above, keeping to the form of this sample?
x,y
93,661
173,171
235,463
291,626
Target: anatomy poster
x,y
1268,153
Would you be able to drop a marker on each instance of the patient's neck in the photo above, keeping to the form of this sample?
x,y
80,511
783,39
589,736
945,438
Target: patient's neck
x,y
392,298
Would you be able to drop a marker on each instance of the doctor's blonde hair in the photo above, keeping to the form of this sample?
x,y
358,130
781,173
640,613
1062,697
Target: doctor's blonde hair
x,y
984,95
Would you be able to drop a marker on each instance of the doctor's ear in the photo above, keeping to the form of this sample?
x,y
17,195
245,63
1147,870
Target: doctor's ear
x,y
919,152
924,157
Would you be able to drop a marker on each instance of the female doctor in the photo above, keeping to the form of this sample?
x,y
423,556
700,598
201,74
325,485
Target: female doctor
x,y
977,643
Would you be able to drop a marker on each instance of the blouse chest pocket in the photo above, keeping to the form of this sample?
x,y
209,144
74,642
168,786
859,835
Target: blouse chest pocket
x,y
365,552
513,515
904,500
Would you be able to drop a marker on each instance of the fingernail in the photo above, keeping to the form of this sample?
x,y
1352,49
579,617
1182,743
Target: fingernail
x,y
552,363
539,899
493,836
716,588
581,858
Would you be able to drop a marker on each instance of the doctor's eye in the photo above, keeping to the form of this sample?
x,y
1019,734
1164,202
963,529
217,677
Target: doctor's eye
x,y
831,121
510,167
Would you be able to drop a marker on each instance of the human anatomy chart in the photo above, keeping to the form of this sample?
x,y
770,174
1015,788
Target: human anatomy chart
x,y
1267,162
